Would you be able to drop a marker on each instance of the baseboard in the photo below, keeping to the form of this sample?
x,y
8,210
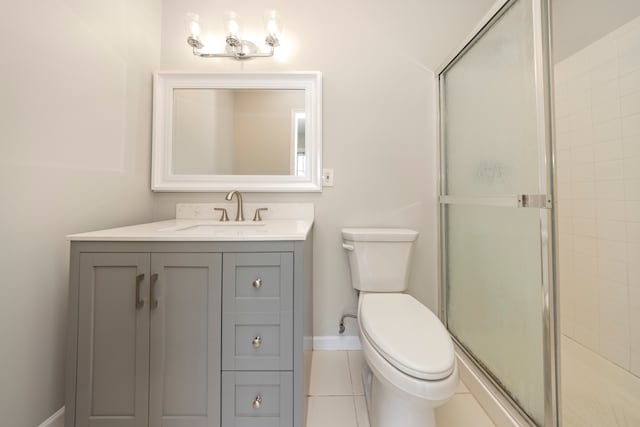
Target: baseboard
x,y
337,342
55,420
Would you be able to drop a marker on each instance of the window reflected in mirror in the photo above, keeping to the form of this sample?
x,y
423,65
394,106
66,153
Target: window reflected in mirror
x,y
299,152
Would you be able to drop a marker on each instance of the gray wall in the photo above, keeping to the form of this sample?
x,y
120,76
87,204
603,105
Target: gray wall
x,y
378,118
75,116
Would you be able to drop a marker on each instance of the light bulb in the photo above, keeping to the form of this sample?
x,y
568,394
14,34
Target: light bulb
x,y
192,24
231,26
272,23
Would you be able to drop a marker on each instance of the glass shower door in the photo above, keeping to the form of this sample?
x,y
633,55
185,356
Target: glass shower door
x,y
496,206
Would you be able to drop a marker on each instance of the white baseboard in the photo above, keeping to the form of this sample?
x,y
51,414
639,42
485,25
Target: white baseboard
x,y
55,420
337,342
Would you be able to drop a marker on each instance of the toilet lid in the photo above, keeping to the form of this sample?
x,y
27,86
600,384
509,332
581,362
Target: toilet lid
x,y
408,335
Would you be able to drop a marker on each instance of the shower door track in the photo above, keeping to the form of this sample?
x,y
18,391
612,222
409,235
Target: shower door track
x,y
544,202
491,384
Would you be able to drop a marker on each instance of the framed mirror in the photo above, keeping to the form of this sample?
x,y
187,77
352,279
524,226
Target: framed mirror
x,y
241,131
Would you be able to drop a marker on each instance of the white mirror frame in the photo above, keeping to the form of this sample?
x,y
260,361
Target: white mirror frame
x,y
164,83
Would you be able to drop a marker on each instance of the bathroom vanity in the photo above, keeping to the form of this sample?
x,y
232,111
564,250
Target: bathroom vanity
x,y
192,322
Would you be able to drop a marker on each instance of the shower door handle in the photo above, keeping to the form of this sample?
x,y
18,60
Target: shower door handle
x,y
539,201
535,201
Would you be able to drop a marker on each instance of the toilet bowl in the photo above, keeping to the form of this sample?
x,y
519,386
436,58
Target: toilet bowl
x,y
410,360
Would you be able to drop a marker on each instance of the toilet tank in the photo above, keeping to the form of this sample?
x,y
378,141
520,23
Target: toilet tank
x,y
379,257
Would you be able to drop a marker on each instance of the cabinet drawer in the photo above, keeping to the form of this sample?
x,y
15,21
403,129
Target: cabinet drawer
x,y
257,341
257,399
258,282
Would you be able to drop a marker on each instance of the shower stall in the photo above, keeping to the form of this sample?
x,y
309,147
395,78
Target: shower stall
x,y
540,210
497,207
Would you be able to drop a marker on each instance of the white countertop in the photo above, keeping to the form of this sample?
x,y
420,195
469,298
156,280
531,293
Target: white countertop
x,y
195,222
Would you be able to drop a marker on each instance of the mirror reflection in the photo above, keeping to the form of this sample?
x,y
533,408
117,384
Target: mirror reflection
x,y
238,132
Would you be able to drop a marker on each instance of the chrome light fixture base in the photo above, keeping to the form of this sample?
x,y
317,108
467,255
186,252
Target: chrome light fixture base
x,y
195,43
240,50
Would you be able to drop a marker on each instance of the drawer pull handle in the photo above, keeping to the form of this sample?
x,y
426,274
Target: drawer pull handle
x,y
257,284
257,402
256,342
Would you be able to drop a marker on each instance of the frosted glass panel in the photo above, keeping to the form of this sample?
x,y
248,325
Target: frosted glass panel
x,y
494,300
494,295
490,109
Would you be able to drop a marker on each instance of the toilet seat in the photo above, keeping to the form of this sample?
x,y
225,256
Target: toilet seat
x,y
407,335
435,392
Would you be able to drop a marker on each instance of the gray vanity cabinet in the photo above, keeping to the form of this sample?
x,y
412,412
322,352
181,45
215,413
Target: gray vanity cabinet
x,y
148,340
189,334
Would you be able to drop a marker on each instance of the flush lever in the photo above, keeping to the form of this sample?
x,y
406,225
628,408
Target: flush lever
x,y
350,248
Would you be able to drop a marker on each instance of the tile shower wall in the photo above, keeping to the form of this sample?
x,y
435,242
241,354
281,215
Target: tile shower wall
x,y
598,175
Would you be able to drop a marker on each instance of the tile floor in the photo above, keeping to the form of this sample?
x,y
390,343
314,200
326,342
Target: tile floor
x,y
336,396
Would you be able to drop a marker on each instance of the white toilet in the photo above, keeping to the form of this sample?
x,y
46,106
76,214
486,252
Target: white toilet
x,y
411,366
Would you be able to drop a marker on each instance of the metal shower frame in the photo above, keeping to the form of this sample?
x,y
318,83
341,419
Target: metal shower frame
x,y
545,202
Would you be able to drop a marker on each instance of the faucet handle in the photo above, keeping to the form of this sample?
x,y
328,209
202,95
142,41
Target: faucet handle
x,y
224,217
257,216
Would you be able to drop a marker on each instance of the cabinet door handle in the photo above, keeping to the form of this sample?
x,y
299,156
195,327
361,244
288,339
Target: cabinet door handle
x,y
256,342
257,284
154,300
257,402
139,280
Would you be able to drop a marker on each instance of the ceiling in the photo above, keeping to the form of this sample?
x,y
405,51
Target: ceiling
x,y
578,23
432,29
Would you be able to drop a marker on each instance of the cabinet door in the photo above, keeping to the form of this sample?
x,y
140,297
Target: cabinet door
x,y
185,340
113,340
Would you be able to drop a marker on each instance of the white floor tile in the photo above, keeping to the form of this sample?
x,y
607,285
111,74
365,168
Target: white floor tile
x,y
356,361
330,374
462,388
361,411
331,411
462,411
337,396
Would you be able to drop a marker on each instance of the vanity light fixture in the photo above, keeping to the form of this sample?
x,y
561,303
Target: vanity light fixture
x,y
236,47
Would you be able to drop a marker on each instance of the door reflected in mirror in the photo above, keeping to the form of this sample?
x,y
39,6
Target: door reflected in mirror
x,y
238,132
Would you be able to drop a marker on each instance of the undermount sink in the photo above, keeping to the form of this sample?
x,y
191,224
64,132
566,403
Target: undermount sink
x,y
212,226
205,227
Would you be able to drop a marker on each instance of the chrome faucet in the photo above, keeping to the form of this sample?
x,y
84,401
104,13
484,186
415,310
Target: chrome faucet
x,y
239,210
